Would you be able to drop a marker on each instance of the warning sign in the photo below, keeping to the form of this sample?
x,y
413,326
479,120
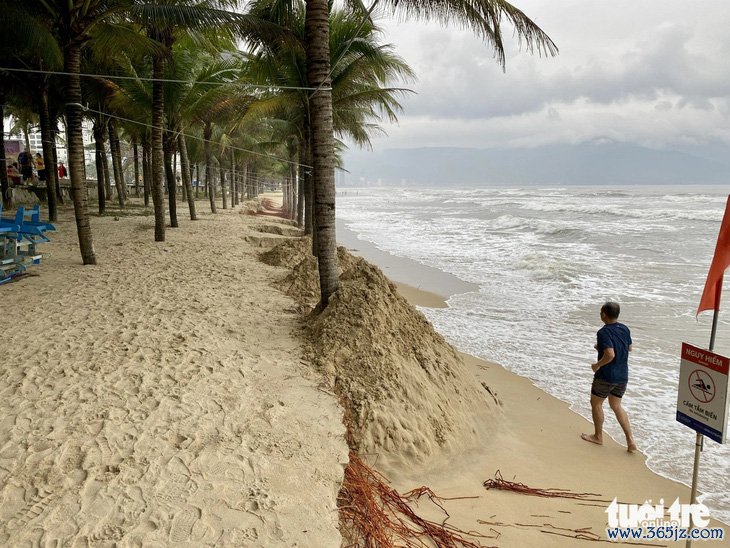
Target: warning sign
x,y
702,401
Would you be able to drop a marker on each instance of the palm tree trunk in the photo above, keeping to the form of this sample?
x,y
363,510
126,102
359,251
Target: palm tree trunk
x,y
286,195
186,175
72,65
54,153
146,169
168,145
244,179
236,178
99,154
135,149
46,139
4,183
173,143
232,182
158,73
300,197
308,188
106,176
295,191
318,67
197,180
116,151
105,166
223,181
209,182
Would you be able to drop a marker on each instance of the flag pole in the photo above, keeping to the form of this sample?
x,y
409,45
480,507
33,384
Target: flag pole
x,y
699,440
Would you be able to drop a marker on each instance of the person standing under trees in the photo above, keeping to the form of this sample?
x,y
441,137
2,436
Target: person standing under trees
x,y
62,172
26,165
611,374
40,167
14,174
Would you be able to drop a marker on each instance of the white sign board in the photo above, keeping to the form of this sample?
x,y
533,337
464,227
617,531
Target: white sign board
x,y
702,401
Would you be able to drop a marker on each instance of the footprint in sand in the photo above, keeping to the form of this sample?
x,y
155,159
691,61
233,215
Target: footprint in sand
x,y
178,485
238,537
182,524
218,467
34,508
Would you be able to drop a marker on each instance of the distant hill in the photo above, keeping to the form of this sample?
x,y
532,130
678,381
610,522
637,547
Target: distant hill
x,y
587,163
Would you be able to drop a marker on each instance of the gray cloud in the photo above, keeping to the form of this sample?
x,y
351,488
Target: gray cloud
x,y
651,72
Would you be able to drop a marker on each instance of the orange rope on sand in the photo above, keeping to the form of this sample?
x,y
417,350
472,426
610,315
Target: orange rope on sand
x,y
372,514
504,485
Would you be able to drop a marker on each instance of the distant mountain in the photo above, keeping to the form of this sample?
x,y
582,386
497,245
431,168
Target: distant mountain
x,y
587,163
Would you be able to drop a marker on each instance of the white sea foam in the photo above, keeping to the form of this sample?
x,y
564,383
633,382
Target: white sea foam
x,y
545,259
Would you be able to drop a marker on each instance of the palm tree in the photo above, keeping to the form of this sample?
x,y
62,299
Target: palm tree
x,y
484,17
198,57
206,105
27,42
76,23
101,92
364,70
162,20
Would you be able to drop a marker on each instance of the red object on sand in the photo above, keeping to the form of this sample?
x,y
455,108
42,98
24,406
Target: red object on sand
x,y
713,286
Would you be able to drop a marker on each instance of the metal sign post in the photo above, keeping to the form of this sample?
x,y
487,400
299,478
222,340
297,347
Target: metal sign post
x,y
702,399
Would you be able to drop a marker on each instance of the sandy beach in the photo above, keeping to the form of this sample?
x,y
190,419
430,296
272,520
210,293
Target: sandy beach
x,y
537,442
159,398
168,397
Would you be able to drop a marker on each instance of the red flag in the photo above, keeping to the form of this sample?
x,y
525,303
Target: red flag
x,y
713,286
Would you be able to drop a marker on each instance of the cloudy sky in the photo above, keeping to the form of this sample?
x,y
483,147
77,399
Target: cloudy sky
x,y
649,72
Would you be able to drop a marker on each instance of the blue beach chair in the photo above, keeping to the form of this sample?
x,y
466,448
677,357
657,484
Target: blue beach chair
x,y
19,238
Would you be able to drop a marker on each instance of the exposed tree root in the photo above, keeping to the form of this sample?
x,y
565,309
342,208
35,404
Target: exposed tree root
x,y
504,485
372,514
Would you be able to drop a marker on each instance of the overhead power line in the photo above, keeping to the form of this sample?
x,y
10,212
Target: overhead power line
x,y
187,135
165,80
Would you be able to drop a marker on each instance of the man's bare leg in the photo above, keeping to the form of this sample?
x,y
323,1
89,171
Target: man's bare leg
x,y
623,419
597,412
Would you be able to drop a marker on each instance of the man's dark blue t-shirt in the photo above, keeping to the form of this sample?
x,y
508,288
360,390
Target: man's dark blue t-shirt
x,y
616,336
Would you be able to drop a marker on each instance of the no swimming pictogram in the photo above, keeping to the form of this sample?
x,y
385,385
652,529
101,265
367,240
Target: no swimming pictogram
x,y
701,386
702,395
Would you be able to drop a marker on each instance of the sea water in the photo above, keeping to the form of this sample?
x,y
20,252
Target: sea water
x,y
545,260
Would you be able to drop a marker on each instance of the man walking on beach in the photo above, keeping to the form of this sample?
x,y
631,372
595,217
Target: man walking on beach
x,y
611,374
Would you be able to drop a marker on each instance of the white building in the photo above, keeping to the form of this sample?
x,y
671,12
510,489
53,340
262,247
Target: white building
x,y
36,144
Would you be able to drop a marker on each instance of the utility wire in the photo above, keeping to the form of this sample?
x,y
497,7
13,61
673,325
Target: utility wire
x,y
186,135
165,80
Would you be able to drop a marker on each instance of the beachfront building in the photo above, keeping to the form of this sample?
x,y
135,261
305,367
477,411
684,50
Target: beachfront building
x,y
36,144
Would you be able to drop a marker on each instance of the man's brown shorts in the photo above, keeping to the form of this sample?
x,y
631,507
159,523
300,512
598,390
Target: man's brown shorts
x,y
603,388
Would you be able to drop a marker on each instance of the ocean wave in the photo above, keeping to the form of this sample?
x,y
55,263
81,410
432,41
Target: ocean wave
x,y
543,266
532,252
620,210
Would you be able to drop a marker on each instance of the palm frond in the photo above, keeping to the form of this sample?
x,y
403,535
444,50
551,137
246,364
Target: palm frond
x,y
484,17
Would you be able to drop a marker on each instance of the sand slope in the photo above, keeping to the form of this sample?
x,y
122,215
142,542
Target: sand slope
x,y
407,395
159,399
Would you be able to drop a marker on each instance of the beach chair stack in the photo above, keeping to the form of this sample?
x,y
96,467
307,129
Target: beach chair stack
x,y
19,240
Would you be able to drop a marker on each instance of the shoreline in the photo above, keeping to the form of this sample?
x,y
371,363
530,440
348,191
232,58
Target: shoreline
x,y
539,453
419,297
399,270
538,443
179,410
